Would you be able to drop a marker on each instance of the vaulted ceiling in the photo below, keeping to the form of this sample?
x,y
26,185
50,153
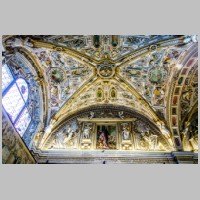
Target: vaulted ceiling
x,y
142,72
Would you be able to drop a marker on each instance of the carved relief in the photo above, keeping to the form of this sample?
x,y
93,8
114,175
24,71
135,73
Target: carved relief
x,y
86,131
126,136
87,135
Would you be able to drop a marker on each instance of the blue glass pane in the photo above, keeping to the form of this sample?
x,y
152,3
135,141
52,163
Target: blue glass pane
x,y
13,102
7,77
23,87
23,122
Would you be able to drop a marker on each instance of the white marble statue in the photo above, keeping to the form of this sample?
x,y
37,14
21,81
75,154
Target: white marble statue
x,y
125,133
86,132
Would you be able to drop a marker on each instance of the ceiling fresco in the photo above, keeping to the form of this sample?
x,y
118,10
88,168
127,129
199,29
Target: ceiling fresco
x,y
150,75
65,75
96,46
136,72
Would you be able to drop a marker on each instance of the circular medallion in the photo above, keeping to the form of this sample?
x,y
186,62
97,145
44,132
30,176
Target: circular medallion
x,y
156,76
57,75
106,71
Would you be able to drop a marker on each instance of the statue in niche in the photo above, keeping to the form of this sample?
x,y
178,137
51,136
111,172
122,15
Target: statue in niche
x,y
121,114
125,133
86,131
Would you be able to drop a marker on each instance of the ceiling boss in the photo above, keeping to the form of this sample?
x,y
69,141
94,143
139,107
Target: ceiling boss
x,y
106,70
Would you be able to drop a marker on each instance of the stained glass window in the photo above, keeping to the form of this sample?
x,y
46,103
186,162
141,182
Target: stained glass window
x,y
23,87
14,100
6,77
22,123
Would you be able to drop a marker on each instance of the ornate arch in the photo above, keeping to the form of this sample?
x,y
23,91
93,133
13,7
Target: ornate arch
x,y
187,68
141,128
23,68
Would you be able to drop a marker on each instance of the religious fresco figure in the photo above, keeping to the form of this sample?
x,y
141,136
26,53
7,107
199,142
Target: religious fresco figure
x,y
104,138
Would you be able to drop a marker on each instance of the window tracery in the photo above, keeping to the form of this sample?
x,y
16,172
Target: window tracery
x,y
14,100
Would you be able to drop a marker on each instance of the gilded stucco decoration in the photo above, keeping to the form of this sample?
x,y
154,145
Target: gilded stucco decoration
x,y
110,92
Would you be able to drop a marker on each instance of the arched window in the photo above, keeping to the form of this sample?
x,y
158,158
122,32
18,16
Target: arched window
x,y
15,94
